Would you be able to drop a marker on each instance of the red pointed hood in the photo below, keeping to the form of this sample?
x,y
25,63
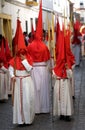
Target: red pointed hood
x,y
8,52
76,40
60,69
2,52
39,30
70,59
77,25
57,37
19,42
32,28
57,29
37,49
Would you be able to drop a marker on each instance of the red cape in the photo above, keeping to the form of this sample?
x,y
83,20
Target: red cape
x,y
38,51
16,62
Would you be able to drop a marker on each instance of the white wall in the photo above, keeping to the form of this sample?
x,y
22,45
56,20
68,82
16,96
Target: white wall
x,y
24,14
47,4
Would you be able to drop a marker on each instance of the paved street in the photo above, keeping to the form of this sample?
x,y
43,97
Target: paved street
x,y
44,121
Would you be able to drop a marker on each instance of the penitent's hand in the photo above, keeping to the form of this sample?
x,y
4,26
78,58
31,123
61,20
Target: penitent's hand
x,y
14,79
22,57
1,64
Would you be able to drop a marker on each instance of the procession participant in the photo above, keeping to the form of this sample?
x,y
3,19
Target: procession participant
x,y
76,44
62,93
23,87
8,55
70,58
40,73
3,72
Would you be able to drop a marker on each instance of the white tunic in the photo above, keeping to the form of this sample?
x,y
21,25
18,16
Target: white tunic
x,y
76,52
3,83
62,97
41,78
23,108
76,49
73,81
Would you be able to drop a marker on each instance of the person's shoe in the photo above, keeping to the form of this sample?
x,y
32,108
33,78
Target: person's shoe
x,y
73,97
62,117
77,65
68,118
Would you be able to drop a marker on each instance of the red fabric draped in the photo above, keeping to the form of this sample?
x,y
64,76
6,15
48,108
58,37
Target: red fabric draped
x,y
57,37
20,48
2,54
60,69
70,59
75,37
7,51
39,51
76,32
16,62
77,25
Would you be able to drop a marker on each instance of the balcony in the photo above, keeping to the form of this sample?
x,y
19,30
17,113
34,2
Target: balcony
x,y
31,3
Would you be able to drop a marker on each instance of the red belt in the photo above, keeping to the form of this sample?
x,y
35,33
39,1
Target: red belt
x,y
2,72
39,65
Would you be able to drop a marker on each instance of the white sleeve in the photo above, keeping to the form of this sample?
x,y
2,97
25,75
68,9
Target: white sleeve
x,y
27,65
11,71
53,74
69,73
73,66
4,69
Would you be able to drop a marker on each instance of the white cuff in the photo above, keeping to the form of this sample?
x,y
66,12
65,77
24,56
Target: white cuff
x,y
4,69
27,65
11,71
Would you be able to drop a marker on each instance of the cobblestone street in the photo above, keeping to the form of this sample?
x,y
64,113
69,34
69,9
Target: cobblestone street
x,y
44,121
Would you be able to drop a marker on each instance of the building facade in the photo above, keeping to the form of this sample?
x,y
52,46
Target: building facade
x,y
27,10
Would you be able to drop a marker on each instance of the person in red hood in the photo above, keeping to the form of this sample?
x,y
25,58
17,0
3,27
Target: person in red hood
x,y
20,67
62,96
76,46
3,71
70,58
40,73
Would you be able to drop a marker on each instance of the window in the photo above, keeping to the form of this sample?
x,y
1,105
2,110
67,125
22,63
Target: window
x,y
82,19
81,3
26,25
36,19
31,23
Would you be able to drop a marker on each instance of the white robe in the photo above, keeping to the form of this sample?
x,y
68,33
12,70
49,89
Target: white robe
x,y
73,81
62,97
41,78
23,108
3,83
9,82
76,49
83,45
